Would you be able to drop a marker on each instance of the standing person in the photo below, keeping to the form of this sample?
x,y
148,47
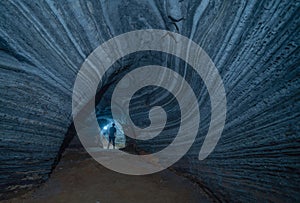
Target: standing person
x,y
112,135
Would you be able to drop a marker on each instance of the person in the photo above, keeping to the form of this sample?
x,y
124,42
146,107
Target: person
x,y
112,135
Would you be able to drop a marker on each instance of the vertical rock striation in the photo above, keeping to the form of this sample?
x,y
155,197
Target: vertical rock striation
x,y
254,45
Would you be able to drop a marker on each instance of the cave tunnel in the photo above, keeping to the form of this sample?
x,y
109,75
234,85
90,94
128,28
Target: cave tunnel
x,y
254,47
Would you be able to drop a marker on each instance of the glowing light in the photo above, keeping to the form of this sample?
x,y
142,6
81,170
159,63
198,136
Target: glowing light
x,y
105,127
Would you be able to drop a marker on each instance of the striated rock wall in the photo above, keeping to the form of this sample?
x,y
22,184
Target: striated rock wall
x,y
254,45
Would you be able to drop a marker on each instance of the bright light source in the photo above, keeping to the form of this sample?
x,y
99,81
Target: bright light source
x,y
105,127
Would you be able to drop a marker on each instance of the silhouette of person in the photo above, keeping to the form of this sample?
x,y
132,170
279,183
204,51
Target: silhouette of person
x,y
112,135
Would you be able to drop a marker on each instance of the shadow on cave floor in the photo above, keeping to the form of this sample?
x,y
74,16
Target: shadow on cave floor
x,y
78,178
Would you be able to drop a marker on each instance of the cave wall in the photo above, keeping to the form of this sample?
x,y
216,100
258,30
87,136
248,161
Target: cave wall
x,y
254,45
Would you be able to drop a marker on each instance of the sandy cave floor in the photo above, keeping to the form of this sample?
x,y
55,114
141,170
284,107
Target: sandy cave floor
x,y
78,178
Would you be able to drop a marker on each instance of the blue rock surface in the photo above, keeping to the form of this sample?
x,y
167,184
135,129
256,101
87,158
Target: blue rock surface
x,y
254,45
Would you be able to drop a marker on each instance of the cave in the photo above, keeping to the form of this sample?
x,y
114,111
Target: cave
x,y
253,45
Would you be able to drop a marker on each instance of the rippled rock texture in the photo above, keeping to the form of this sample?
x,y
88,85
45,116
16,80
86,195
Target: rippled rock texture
x,y
254,45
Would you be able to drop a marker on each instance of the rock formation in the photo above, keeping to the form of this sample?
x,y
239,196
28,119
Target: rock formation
x,y
254,45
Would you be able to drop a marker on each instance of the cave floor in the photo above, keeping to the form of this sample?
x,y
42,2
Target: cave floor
x,y
78,178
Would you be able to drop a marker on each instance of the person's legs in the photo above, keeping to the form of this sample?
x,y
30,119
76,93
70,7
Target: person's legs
x,y
109,141
113,141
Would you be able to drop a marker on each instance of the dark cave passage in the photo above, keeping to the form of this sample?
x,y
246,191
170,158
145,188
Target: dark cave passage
x,y
253,46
